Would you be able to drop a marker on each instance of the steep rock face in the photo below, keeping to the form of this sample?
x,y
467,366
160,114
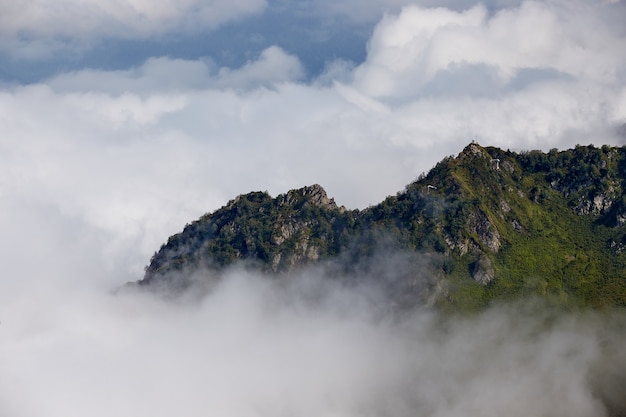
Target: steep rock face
x,y
596,203
487,233
488,218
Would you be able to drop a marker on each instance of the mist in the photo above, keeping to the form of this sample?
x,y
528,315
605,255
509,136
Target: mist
x,y
300,345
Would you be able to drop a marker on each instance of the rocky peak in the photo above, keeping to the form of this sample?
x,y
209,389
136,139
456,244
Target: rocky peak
x,y
474,150
312,194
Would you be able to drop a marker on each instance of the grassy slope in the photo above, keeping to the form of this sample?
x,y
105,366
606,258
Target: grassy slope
x,y
559,254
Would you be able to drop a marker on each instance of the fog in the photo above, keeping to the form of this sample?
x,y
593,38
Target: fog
x,y
307,346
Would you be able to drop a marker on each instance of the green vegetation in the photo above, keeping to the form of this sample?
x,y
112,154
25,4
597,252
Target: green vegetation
x,y
493,225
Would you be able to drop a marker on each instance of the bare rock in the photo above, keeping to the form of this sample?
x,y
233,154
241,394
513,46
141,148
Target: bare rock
x,y
486,232
483,271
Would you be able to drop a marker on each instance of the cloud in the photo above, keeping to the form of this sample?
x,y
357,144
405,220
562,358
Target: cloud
x,y
515,77
124,18
162,74
409,50
257,347
273,66
364,11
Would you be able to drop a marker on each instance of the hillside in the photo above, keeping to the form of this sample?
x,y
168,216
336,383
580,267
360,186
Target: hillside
x,y
487,224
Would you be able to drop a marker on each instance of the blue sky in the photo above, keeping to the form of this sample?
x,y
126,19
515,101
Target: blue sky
x,y
123,120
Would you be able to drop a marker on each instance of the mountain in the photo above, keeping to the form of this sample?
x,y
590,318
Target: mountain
x,y
485,225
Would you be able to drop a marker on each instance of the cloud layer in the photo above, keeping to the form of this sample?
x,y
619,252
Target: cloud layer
x,y
409,50
260,348
124,18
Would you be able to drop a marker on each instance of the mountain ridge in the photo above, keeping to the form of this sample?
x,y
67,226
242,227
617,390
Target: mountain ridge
x,y
492,223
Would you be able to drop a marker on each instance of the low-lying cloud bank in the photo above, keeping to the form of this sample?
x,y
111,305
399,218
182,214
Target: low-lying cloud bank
x,y
307,347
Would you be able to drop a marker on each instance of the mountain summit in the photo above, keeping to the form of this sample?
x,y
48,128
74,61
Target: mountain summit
x,y
486,224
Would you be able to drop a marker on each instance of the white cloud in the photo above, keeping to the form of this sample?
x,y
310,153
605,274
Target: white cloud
x,y
121,18
273,66
160,73
166,74
362,11
308,348
408,50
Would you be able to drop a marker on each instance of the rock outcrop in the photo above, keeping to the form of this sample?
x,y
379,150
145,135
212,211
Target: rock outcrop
x,y
483,271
